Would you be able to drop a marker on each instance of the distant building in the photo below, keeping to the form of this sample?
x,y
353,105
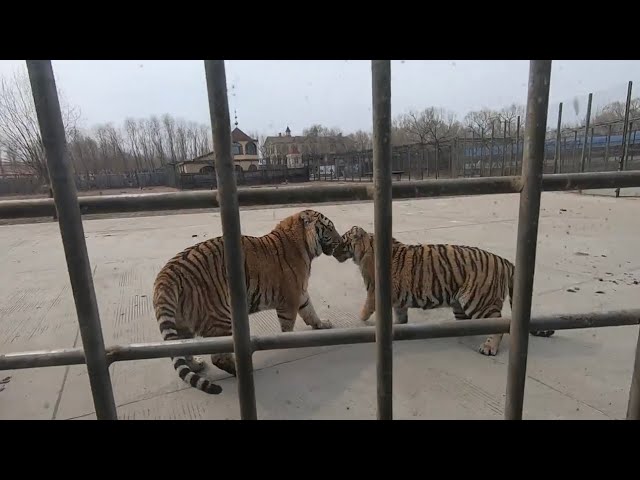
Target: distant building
x,y
244,150
291,149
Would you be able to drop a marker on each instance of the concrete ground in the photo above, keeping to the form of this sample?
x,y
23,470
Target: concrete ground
x,y
588,259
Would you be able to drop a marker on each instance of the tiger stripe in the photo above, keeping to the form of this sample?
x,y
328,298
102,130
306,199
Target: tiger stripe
x,y
191,296
471,281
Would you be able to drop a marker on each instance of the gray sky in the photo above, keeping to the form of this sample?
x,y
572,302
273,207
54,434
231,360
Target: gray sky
x,y
269,95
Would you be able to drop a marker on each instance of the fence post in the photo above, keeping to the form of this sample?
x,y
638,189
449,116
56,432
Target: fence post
x,y
492,144
606,148
230,218
504,148
586,133
532,166
625,130
590,148
381,90
47,105
556,161
518,143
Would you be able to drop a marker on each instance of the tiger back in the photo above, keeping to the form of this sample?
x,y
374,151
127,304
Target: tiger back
x,y
191,292
471,281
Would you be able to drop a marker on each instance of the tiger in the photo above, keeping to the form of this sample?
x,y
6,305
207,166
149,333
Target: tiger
x,y
470,280
191,292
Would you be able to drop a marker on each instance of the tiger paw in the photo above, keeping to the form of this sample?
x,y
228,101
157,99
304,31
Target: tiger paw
x,y
196,364
323,325
488,348
224,362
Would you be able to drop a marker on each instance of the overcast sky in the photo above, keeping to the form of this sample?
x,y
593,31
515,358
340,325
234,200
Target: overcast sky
x,y
271,95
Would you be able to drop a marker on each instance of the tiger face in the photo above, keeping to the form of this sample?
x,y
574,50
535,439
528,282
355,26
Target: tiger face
x,y
351,244
320,231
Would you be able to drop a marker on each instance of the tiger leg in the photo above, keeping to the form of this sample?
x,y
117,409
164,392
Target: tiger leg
x,y
309,315
195,363
401,314
369,306
491,344
224,361
287,317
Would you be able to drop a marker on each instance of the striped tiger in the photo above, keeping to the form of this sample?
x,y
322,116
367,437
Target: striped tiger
x,y
191,295
472,281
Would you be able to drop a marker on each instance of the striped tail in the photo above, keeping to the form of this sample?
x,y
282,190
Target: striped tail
x,y
169,331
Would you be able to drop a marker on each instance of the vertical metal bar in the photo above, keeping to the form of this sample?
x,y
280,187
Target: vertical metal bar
x,y
45,96
633,408
504,148
575,146
532,165
409,161
453,151
556,160
586,133
473,153
606,148
381,88
437,160
492,144
590,148
230,219
625,130
482,153
518,142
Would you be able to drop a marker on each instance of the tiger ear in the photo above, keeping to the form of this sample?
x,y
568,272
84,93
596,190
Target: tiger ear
x,y
306,218
357,232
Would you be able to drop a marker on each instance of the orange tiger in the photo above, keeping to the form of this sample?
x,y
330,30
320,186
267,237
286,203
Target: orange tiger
x,y
472,281
191,294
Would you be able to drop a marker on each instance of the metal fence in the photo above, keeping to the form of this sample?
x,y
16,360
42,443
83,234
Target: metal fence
x,y
530,185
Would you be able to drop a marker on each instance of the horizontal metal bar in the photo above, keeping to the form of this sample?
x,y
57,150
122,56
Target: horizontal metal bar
x,y
318,338
308,193
42,358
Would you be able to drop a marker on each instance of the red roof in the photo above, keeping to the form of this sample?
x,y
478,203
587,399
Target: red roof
x,y
239,136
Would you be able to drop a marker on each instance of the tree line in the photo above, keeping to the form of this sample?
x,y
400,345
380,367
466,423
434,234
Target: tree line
x,y
146,144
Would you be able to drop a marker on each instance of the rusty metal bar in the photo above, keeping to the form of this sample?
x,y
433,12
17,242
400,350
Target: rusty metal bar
x,y
633,408
586,133
532,166
381,92
317,338
47,105
207,199
625,131
230,219
556,160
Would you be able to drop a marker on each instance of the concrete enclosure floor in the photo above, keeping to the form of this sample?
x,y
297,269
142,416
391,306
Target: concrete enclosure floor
x,y
588,260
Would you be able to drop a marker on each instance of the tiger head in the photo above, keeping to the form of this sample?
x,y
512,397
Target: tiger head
x,y
320,232
353,245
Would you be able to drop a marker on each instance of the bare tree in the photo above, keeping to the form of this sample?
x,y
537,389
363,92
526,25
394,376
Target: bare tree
x,y
363,140
480,122
318,130
19,130
510,114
